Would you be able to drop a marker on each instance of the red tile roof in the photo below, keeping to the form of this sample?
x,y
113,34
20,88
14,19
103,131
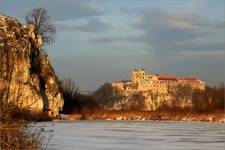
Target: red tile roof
x,y
167,78
189,79
174,78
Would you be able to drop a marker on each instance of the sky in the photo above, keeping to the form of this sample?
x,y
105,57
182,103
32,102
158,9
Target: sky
x,y
102,41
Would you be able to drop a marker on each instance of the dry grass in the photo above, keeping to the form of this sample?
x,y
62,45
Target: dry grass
x,y
14,130
18,136
150,115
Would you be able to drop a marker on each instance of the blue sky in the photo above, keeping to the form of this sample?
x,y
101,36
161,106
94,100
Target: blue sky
x,y
103,40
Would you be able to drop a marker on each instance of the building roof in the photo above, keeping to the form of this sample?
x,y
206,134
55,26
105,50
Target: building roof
x,y
189,79
167,78
174,78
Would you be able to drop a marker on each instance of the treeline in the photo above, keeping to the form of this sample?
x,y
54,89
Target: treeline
x,y
76,102
208,101
211,100
102,99
106,97
112,99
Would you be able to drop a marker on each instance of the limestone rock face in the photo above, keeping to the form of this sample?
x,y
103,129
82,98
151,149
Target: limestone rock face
x,y
26,76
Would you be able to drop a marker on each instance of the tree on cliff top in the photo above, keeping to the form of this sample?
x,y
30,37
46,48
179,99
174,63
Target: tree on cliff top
x,y
43,24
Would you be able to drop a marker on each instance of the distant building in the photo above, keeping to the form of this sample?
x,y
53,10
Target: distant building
x,y
159,89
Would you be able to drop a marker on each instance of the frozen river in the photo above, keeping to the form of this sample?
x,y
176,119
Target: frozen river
x,y
136,135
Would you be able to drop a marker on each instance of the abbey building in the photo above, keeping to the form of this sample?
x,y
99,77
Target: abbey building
x,y
160,89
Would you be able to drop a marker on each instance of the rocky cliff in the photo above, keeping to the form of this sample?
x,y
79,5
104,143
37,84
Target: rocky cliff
x,y
26,76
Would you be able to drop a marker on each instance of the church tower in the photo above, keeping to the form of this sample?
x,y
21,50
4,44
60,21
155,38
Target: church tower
x,y
137,76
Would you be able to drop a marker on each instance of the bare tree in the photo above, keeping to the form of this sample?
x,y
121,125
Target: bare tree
x,y
105,93
137,101
43,24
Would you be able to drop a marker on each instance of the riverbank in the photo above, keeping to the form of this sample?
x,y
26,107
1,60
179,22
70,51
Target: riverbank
x,y
148,115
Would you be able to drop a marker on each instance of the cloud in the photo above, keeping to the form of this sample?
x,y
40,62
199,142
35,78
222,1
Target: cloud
x,y
174,33
91,25
161,27
59,10
62,10
170,33
219,25
165,27
189,47
181,25
106,39
114,39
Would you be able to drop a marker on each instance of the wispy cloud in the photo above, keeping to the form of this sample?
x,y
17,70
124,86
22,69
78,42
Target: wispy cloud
x,y
171,33
59,10
161,27
62,10
90,25
181,25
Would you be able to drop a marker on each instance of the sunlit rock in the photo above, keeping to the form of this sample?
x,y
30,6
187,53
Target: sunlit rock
x,y
26,76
